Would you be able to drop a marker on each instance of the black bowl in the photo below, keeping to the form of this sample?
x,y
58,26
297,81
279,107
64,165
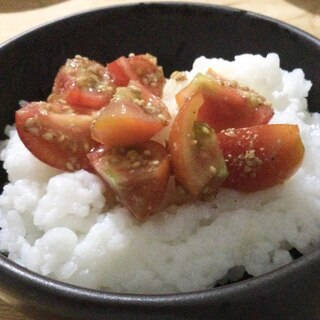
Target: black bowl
x,y
176,33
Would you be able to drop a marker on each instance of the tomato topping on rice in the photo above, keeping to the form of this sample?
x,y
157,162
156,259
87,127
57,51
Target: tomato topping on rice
x,y
142,68
226,103
261,157
138,175
134,115
103,119
56,134
197,161
83,83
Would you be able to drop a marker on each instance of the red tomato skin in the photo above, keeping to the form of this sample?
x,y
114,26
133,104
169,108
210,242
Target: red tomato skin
x,y
117,72
193,162
139,189
82,83
56,138
261,157
226,105
124,122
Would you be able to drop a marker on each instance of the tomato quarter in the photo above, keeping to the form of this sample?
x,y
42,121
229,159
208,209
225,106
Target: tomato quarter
x,y
133,116
262,156
138,175
226,103
56,134
83,83
196,158
142,68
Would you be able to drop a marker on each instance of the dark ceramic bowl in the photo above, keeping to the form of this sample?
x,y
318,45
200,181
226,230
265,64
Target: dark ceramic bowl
x,y
176,33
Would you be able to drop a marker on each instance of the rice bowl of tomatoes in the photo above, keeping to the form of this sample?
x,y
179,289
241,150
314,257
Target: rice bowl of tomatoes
x,y
129,190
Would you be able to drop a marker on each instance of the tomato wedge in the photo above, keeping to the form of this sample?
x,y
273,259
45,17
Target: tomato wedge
x,y
196,158
133,116
142,68
261,157
83,83
138,175
56,134
226,103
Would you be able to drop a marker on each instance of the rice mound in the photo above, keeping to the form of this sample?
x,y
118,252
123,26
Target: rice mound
x,y
59,224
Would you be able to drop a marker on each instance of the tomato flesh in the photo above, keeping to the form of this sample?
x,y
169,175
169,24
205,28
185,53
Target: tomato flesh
x,y
196,158
142,68
56,135
226,103
83,83
261,157
133,116
138,175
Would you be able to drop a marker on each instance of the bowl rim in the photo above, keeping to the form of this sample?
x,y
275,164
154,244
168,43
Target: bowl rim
x,y
164,3
30,278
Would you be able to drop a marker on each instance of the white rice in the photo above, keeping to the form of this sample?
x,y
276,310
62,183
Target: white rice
x,y
58,224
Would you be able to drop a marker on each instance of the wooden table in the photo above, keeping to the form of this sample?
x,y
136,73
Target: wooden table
x,y
20,15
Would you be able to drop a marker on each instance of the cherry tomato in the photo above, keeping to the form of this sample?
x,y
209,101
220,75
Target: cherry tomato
x,y
262,156
226,103
142,68
196,158
83,83
133,116
56,134
138,175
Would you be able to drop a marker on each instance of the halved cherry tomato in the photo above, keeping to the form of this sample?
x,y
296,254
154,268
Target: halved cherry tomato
x,y
142,68
133,116
226,103
138,175
196,158
262,156
83,83
56,135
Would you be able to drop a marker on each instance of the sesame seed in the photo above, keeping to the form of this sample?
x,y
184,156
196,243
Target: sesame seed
x,y
136,164
134,89
205,130
33,130
178,76
69,166
194,142
147,152
139,102
86,146
161,117
48,136
62,138
132,154
30,122
213,170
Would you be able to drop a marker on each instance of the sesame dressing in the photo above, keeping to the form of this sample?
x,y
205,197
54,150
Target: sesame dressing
x,y
89,75
151,106
248,162
36,125
133,159
202,140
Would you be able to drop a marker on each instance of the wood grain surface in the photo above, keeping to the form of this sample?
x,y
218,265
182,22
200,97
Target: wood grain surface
x,y
17,16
